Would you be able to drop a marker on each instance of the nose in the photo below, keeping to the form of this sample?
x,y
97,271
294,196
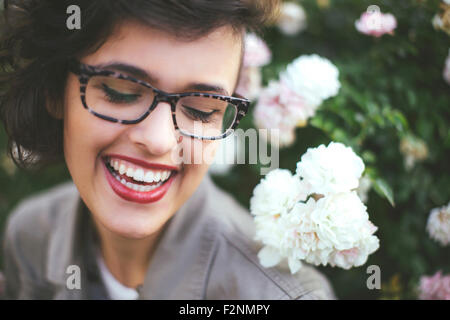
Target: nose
x,y
156,133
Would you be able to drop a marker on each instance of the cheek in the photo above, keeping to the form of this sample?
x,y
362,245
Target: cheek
x,y
198,152
197,156
85,135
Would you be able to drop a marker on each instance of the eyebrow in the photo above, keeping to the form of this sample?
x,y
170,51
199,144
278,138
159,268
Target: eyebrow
x,y
140,73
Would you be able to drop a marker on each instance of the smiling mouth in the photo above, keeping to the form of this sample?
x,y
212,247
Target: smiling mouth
x,y
139,181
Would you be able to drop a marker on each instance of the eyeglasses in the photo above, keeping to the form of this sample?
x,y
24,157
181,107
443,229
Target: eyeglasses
x,y
116,97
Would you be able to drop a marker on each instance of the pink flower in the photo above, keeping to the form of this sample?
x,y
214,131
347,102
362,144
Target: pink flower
x,y
256,53
271,113
296,105
250,82
376,23
436,287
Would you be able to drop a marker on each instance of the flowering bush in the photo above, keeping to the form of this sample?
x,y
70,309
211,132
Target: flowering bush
x,y
391,109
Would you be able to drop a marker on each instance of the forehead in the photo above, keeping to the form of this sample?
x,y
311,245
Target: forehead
x,y
172,62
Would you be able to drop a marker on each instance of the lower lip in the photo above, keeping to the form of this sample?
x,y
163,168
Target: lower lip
x,y
136,196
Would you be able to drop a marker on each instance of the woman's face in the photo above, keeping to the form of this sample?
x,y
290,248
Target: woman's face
x,y
88,140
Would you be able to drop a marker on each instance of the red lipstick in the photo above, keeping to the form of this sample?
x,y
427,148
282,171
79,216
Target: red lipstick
x,y
139,196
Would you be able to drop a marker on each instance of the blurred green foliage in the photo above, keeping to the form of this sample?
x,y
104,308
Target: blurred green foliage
x,y
392,88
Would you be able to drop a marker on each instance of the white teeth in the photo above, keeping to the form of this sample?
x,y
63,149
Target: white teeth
x,y
148,177
136,187
130,172
138,175
166,175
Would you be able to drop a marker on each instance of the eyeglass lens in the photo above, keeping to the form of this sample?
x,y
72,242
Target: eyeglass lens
x,y
126,100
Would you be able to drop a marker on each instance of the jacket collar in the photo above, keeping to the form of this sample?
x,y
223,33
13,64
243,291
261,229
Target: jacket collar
x,y
182,258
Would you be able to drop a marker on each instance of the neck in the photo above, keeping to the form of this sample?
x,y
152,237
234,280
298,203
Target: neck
x,y
127,259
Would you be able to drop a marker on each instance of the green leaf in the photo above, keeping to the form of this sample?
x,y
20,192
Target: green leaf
x,y
368,156
384,190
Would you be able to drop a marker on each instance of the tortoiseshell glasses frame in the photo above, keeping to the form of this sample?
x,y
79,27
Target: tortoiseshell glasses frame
x,y
85,72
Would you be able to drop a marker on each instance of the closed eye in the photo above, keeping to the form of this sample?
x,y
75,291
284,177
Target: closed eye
x,y
195,114
119,97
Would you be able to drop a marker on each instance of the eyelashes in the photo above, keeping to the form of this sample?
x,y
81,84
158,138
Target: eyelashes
x,y
118,97
198,115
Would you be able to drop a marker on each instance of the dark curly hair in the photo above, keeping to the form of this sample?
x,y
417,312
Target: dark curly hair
x,y
36,47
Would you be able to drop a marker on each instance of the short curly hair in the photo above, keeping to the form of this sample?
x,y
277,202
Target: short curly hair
x,y
36,47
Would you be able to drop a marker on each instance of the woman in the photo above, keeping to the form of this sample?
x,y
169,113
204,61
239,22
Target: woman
x,y
128,101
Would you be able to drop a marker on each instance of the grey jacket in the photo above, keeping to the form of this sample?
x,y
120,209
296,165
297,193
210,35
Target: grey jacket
x,y
206,251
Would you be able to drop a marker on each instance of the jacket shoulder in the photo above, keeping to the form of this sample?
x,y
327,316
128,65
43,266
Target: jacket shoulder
x,y
236,272
26,236
34,216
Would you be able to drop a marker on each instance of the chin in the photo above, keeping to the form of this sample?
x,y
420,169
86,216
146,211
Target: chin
x,y
134,227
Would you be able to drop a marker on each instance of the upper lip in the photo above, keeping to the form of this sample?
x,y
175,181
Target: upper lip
x,y
143,163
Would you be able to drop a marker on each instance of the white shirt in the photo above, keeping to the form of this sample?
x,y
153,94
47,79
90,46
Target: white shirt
x,y
116,290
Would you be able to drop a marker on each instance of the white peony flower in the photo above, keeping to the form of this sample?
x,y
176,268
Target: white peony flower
x,y
313,78
341,220
280,108
365,184
276,193
250,83
376,23
356,256
332,169
269,257
291,101
256,52
296,106
334,230
290,235
438,225
343,224
292,19
314,216
270,113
